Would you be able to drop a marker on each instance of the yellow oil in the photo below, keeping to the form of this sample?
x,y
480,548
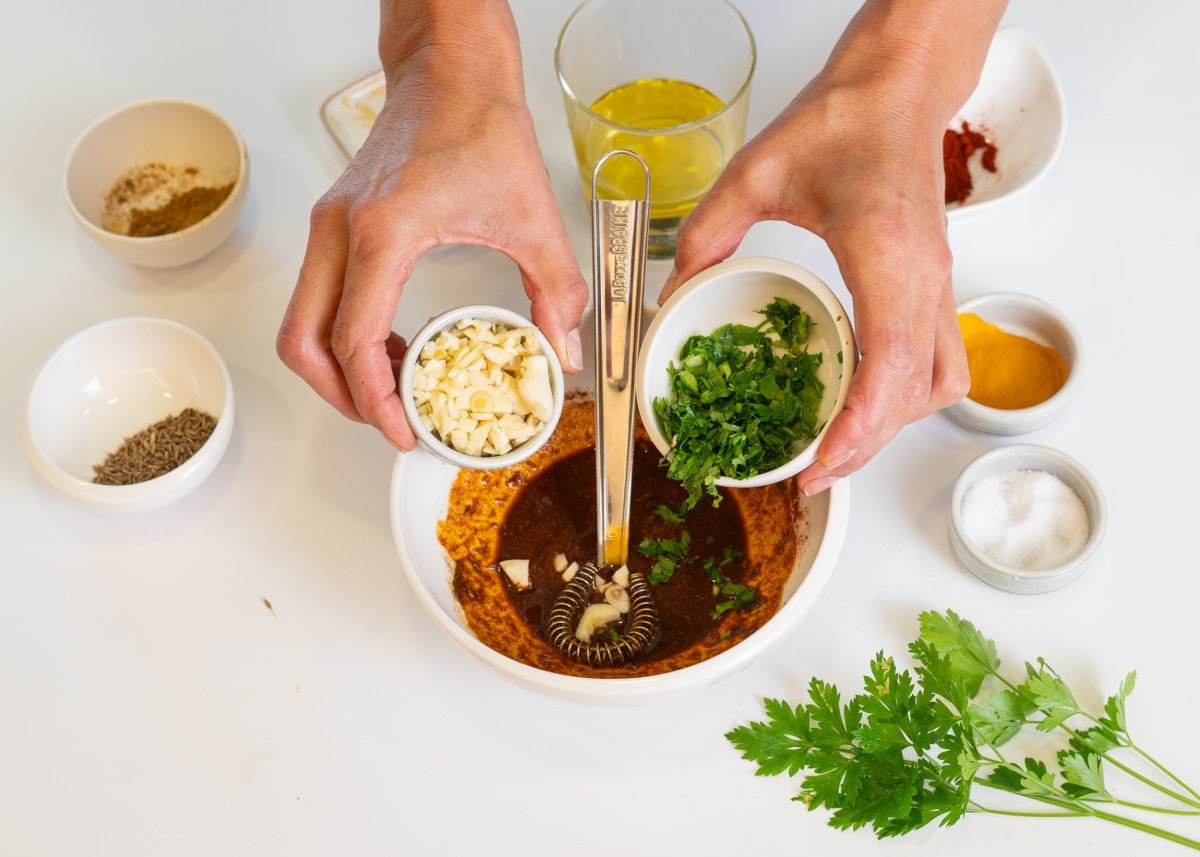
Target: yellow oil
x,y
683,163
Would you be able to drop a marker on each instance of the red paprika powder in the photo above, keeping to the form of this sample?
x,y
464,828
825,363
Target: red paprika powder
x,y
957,149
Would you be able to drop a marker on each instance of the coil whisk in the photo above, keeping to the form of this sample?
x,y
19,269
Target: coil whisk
x,y
642,624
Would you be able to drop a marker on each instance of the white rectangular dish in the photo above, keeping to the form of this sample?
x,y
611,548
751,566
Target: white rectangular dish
x,y
350,112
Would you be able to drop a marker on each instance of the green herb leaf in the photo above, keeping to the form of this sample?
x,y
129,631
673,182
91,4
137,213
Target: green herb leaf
x,y
1049,694
1001,716
743,598
972,654
780,745
670,553
668,514
1083,775
1114,708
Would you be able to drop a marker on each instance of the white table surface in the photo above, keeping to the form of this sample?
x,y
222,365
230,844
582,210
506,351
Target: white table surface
x,y
150,704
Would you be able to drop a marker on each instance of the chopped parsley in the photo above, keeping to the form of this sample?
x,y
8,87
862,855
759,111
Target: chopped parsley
x,y
742,397
670,554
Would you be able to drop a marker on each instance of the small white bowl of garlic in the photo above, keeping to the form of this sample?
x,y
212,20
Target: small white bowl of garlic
x,y
481,387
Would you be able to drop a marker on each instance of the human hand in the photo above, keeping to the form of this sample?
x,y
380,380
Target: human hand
x,y
451,159
856,158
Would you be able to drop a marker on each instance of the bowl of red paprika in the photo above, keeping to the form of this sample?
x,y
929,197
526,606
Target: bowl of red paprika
x,y
1010,130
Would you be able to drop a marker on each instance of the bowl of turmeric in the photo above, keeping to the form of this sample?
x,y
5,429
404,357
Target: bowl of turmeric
x,y
1024,357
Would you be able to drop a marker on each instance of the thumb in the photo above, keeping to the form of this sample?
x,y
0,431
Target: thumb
x,y
557,294
712,232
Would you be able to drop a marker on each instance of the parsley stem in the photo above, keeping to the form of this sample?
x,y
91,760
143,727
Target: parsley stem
x,y
1145,828
1077,808
1108,757
994,811
1153,761
1161,809
1154,784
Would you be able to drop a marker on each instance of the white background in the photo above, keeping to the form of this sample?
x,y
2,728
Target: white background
x,y
150,704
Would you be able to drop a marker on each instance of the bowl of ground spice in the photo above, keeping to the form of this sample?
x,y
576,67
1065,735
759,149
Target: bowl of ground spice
x,y
159,183
129,415
1009,132
1024,357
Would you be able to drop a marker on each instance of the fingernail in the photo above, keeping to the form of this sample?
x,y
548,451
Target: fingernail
x,y
669,284
574,349
838,460
816,486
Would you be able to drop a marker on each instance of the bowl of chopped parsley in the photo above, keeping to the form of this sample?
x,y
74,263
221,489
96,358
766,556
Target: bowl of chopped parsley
x,y
740,373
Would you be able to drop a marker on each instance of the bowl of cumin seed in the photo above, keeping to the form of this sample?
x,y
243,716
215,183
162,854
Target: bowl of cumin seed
x,y
129,415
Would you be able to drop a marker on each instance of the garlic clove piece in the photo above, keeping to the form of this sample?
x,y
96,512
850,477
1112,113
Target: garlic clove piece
x,y
534,386
595,617
617,596
517,571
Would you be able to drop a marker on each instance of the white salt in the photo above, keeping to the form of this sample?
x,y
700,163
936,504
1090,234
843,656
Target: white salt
x,y
1026,519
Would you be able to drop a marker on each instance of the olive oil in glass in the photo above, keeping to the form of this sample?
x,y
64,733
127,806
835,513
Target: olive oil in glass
x,y
681,132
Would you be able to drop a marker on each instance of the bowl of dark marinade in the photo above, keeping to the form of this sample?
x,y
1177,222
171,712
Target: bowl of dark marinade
x,y
706,587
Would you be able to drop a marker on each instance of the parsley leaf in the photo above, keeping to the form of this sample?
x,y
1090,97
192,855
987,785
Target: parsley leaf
x,y
744,597
670,553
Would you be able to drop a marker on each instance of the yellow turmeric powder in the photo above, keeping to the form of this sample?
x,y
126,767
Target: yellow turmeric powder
x,y
1008,371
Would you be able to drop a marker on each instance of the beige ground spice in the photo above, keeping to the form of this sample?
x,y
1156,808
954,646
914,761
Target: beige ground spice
x,y
158,199
184,210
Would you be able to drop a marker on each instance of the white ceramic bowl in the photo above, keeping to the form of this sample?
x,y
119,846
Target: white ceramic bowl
x,y
431,441
734,291
419,497
1006,459
110,381
1033,318
169,131
1018,104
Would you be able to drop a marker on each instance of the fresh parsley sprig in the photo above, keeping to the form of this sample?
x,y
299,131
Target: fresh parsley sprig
x,y
911,748
740,398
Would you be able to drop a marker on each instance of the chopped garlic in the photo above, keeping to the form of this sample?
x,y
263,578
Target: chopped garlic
x,y
517,571
560,562
570,571
617,596
534,385
621,577
483,387
594,617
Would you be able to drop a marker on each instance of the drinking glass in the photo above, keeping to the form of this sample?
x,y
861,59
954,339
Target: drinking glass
x,y
668,79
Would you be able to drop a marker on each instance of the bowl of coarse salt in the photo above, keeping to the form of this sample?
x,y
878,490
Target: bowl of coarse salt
x,y
481,387
1026,518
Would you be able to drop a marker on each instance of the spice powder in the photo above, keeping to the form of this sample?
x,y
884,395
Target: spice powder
x,y
957,149
158,199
